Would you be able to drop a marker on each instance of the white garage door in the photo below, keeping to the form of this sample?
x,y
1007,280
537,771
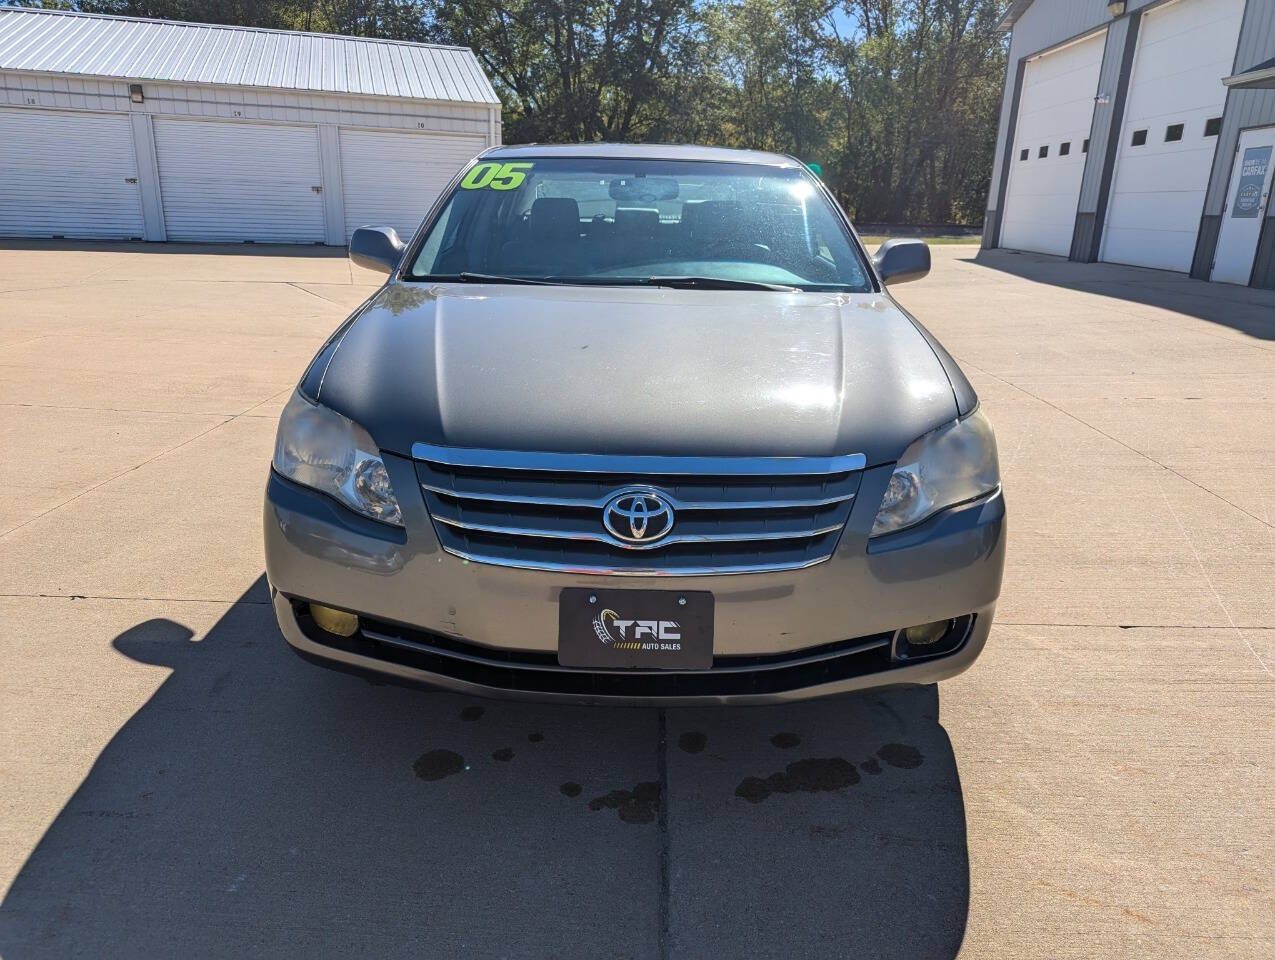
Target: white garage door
x,y
229,182
391,179
1055,112
68,175
1157,196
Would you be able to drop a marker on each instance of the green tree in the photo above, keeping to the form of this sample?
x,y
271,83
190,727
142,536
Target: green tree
x,y
896,99
575,69
771,56
922,80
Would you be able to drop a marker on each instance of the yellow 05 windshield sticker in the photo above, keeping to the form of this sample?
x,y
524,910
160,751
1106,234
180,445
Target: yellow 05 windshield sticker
x,y
496,176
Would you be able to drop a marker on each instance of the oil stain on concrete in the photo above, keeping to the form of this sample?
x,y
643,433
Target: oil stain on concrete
x,y
438,764
632,806
901,756
692,741
821,774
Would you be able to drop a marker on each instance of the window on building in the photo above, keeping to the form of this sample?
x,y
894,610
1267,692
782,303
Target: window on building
x,y
1023,155
1084,147
1173,133
1044,152
1139,137
1064,148
1212,126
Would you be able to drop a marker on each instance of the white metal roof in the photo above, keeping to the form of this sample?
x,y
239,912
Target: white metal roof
x,y
50,41
1016,9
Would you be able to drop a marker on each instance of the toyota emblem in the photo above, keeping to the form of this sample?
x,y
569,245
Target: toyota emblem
x,y
638,518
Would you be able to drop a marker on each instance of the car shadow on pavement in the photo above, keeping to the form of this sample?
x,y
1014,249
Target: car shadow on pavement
x,y
258,806
1247,309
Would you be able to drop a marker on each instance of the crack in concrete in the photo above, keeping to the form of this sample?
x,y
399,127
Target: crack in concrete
x,y
92,596
1122,626
1209,580
1116,440
111,479
163,453
662,823
316,295
146,410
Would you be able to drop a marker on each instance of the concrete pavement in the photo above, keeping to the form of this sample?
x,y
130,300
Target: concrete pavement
x,y
173,782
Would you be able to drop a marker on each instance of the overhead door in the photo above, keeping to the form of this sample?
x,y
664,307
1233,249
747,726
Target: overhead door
x,y
227,182
391,179
68,175
1048,161
1167,144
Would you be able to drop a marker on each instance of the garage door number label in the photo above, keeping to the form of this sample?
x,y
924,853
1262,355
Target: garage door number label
x,y
497,176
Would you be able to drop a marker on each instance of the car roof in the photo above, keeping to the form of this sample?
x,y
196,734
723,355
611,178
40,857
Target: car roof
x,y
642,151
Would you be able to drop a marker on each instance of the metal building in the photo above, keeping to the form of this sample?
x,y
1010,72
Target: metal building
x,y
1140,132
120,128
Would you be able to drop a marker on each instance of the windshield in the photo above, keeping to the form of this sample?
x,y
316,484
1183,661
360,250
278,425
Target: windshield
x,y
621,222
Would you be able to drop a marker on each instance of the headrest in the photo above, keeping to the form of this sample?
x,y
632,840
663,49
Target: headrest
x,y
712,217
555,217
782,221
637,220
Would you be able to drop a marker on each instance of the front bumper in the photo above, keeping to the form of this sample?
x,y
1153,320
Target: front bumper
x,y
432,612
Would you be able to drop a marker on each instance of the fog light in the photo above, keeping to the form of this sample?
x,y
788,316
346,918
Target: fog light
x,y
926,640
335,621
926,633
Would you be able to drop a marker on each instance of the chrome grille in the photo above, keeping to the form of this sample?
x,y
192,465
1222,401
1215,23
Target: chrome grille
x,y
543,511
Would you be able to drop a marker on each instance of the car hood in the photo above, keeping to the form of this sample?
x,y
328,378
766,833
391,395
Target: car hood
x,y
636,370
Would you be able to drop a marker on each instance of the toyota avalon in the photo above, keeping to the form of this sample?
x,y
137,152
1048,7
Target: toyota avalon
x,y
635,424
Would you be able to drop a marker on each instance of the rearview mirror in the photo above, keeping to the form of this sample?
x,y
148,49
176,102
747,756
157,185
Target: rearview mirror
x,y
377,248
645,189
900,260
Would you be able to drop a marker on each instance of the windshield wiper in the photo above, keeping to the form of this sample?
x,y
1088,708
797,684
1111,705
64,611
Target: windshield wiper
x,y
468,277
676,282
717,283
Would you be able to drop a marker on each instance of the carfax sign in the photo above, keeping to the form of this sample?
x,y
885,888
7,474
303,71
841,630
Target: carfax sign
x,y
1248,194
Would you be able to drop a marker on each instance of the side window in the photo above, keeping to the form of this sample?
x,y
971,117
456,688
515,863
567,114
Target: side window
x,y
1173,133
821,247
1023,155
1065,148
1139,138
1044,152
828,253
472,225
427,260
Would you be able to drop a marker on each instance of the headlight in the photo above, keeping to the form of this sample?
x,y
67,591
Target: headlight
x,y
321,449
950,465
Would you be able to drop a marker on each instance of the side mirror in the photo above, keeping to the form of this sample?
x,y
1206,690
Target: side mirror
x,y
899,260
377,248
